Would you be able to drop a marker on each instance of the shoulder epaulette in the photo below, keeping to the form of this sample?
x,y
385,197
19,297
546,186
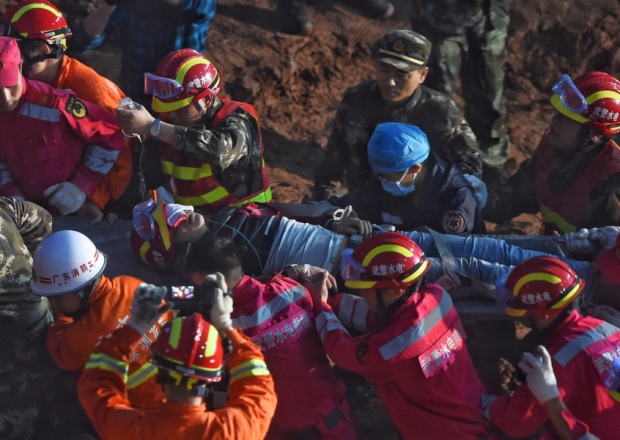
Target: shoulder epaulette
x,y
41,98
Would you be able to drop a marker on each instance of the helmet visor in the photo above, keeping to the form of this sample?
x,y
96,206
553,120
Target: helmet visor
x,y
350,269
570,96
165,88
143,221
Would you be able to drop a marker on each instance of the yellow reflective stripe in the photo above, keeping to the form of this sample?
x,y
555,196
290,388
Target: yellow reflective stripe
x,y
166,107
602,95
356,284
416,274
160,218
211,197
536,276
510,311
143,250
254,367
386,248
550,216
105,362
188,65
186,173
175,333
141,375
27,8
264,197
557,104
212,340
567,298
401,56
615,395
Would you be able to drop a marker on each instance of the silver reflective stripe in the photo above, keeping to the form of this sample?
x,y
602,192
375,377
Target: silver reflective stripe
x,y
327,321
270,309
39,112
352,312
139,376
100,159
418,331
570,350
100,360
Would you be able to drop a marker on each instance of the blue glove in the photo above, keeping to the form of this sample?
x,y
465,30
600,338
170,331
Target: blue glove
x,y
480,189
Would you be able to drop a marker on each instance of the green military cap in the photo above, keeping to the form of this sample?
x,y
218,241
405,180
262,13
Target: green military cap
x,y
403,49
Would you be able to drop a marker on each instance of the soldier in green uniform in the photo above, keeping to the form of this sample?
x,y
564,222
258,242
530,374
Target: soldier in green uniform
x,y
395,95
469,43
24,318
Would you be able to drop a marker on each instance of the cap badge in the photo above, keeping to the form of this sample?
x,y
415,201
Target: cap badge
x,y
398,46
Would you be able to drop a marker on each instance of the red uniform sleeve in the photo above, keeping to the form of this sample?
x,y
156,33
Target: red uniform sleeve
x,y
353,354
519,415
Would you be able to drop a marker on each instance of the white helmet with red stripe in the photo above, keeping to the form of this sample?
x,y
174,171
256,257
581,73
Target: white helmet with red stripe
x,y
64,262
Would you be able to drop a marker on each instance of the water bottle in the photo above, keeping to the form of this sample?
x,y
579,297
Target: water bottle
x,y
612,381
127,104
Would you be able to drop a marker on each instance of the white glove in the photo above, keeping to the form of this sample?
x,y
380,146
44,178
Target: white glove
x,y
606,236
66,197
540,377
222,303
146,307
579,242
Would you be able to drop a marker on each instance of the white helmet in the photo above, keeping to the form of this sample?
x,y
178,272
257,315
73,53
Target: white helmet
x,y
64,262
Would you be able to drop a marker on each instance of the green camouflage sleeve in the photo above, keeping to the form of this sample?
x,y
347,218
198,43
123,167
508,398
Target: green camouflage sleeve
x,y
223,146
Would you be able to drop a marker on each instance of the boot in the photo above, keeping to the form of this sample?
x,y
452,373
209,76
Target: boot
x,y
293,16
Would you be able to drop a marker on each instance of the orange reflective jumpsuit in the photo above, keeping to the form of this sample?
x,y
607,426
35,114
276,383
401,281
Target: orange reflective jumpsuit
x,y
71,342
246,416
92,87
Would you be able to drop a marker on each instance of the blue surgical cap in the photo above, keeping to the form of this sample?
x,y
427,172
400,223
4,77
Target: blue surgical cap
x,y
395,147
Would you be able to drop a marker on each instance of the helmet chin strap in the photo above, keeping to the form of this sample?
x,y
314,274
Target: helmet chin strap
x,y
384,313
55,52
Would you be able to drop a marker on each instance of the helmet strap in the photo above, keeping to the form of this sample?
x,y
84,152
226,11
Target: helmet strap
x,y
384,313
84,294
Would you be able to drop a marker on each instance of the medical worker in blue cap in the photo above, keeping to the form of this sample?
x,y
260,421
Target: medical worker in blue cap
x,y
412,187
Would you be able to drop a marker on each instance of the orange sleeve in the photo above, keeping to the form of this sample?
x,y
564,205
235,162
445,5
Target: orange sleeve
x,y
248,413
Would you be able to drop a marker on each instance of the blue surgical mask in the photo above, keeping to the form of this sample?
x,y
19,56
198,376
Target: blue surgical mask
x,y
397,189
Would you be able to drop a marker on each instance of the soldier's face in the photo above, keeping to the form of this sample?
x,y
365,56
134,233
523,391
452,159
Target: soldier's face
x,y
564,134
396,85
9,96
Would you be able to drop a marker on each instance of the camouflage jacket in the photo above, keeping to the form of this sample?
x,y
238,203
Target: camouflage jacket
x,y
233,147
23,225
363,108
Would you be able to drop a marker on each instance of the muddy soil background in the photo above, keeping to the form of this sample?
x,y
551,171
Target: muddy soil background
x,y
296,82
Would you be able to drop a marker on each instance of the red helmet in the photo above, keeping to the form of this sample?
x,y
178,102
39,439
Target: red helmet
x,y
541,285
181,78
150,237
388,259
593,100
190,346
38,19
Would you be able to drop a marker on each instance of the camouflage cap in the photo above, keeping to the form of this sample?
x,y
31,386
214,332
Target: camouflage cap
x,y
405,50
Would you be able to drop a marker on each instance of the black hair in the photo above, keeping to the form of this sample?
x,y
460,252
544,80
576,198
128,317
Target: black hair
x,y
213,254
